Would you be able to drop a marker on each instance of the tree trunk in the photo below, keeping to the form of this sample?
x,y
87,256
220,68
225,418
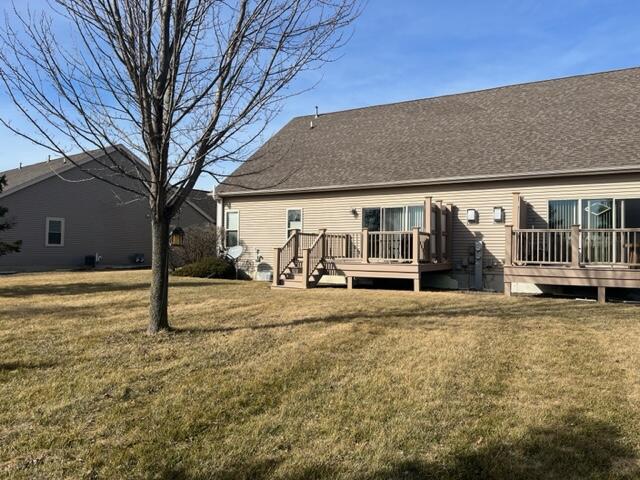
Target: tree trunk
x,y
159,298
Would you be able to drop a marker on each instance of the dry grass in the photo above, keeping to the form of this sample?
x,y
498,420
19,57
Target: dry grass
x,y
312,384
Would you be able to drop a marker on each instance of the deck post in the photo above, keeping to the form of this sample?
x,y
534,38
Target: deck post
x,y
602,295
516,216
507,289
296,242
428,208
415,245
416,284
305,268
575,246
276,266
449,231
365,245
349,283
439,231
347,239
323,246
508,245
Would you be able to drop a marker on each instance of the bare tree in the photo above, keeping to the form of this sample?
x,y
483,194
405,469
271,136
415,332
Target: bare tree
x,y
187,85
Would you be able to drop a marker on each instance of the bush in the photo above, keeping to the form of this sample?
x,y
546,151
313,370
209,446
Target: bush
x,y
209,267
200,242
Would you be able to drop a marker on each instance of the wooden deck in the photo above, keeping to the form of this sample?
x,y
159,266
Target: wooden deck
x,y
306,257
601,258
351,269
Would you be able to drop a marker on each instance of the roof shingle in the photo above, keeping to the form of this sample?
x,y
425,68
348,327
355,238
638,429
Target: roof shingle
x,y
573,124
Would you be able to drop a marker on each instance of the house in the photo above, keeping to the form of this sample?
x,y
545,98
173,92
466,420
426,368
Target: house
x,y
67,219
499,189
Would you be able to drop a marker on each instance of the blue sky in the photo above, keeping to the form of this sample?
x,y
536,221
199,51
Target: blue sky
x,y
407,49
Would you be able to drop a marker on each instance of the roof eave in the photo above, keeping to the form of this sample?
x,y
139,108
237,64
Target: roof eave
x,y
436,181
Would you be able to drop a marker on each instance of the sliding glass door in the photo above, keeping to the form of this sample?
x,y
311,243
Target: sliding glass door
x,y
628,213
597,213
597,219
392,219
563,214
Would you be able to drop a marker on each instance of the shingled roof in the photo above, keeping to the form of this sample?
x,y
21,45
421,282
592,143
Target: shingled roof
x,y
581,124
26,175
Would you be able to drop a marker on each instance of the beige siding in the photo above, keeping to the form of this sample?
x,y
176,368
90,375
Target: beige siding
x,y
262,218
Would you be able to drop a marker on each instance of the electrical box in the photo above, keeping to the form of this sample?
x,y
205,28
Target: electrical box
x,y
479,262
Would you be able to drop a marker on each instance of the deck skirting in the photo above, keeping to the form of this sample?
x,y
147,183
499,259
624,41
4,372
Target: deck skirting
x,y
573,276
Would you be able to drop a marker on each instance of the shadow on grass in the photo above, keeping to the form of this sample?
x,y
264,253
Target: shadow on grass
x,y
575,447
18,365
93,287
430,317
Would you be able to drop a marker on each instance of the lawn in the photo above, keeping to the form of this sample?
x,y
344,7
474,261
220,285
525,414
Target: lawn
x,y
325,383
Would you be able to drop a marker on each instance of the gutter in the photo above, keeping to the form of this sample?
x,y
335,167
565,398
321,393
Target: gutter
x,y
438,181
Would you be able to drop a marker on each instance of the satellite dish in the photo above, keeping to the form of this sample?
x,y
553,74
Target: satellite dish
x,y
235,252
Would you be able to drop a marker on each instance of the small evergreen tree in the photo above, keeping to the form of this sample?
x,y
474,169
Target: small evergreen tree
x,y
5,225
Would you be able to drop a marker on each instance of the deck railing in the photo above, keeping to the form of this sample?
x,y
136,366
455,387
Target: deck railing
x,y
542,247
387,246
285,255
344,245
306,240
573,247
309,250
611,246
316,253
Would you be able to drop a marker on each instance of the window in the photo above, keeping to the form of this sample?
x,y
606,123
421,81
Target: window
x,y
294,220
54,232
232,224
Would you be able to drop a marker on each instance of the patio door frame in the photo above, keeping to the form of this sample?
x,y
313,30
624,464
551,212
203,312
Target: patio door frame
x,y
396,244
617,217
405,216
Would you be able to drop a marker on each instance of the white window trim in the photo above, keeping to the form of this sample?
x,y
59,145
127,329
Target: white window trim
x,y
286,220
226,217
46,232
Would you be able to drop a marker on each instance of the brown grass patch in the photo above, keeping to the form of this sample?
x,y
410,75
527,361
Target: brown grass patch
x,y
325,383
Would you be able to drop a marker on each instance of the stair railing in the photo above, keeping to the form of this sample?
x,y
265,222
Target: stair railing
x,y
314,255
283,256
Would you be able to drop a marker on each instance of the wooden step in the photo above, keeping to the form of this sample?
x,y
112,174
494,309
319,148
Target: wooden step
x,y
295,283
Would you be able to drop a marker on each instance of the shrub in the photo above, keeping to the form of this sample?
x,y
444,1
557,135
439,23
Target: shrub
x,y
200,242
208,267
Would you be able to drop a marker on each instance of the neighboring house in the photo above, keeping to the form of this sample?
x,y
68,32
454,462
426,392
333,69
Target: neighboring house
x,y
66,219
536,183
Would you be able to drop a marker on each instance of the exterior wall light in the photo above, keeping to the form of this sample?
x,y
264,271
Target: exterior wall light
x,y
354,212
472,215
498,215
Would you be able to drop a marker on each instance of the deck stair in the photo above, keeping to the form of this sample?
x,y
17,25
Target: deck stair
x,y
292,276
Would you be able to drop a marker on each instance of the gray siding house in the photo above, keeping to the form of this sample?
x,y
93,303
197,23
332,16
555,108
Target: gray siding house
x,y
63,216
